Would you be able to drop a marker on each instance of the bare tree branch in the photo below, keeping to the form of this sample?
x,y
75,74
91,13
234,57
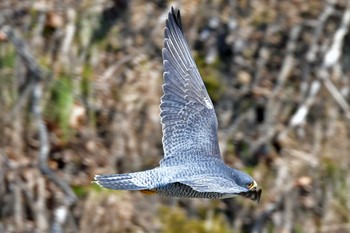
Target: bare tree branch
x,y
332,57
37,75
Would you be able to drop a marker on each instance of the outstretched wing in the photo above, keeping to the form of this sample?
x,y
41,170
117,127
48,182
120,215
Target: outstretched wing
x,y
187,113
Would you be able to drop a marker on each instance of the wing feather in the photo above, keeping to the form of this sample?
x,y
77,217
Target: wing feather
x,y
214,184
187,113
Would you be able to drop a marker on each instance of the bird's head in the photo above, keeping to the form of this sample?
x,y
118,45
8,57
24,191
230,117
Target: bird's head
x,y
246,181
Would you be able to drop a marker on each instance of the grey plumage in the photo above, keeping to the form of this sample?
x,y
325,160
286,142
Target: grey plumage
x,y
192,166
187,113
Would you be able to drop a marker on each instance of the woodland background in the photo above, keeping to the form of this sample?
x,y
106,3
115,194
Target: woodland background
x,y
80,83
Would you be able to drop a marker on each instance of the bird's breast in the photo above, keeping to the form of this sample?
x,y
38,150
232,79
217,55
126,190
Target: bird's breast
x,y
184,191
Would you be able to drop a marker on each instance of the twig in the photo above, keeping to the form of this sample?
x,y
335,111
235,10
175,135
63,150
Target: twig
x,y
69,35
3,165
37,75
299,117
312,53
333,54
332,57
45,146
23,51
19,103
288,62
273,106
333,90
110,71
18,207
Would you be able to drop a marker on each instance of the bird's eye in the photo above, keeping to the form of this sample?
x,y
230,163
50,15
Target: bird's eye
x,y
251,185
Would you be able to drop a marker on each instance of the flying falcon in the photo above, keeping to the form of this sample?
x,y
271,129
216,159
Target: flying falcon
x,y
192,166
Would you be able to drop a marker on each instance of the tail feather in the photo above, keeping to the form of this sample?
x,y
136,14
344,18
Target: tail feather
x,y
117,182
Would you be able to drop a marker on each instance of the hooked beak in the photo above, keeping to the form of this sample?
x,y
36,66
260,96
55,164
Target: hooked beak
x,y
253,193
254,186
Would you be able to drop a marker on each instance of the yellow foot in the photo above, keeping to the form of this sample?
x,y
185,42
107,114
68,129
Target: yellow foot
x,y
148,191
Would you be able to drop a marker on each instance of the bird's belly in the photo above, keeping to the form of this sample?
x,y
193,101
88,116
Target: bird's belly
x,y
185,191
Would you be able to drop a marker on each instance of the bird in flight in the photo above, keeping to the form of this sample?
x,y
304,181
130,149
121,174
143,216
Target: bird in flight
x,y
192,166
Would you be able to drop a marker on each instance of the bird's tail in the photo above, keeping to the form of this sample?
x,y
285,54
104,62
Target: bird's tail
x,y
127,181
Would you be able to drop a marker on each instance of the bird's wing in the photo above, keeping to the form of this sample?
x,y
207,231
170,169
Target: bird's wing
x,y
214,184
187,114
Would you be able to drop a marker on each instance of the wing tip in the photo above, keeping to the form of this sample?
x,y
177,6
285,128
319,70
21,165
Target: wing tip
x,y
175,15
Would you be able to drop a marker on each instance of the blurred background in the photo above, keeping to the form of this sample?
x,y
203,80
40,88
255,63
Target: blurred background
x,y
80,86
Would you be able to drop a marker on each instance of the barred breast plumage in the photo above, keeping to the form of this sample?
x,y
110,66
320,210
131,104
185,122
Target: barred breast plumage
x,y
184,191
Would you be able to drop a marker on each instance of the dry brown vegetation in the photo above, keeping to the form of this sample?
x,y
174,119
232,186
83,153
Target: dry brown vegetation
x,y
80,83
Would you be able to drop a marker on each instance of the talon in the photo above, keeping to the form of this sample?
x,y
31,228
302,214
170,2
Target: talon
x,y
148,191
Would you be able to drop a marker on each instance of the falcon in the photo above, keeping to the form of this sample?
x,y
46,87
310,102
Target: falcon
x,y
192,166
